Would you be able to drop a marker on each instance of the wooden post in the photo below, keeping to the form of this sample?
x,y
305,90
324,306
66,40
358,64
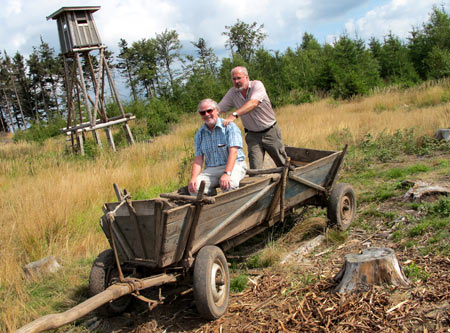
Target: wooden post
x,y
97,139
111,82
128,133
83,87
283,187
110,138
198,208
111,293
80,142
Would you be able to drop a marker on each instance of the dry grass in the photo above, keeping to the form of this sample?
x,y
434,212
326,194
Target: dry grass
x,y
309,125
51,202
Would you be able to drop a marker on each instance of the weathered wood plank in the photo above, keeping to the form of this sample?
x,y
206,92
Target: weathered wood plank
x,y
306,155
142,207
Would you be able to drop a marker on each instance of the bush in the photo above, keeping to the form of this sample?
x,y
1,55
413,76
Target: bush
x,y
239,283
40,132
160,115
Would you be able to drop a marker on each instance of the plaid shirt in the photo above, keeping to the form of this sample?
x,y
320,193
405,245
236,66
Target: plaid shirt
x,y
213,145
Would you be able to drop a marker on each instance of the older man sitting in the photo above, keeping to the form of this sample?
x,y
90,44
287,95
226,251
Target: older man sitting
x,y
220,148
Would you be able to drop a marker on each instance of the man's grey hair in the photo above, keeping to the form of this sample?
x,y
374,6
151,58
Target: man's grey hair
x,y
209,101
240,69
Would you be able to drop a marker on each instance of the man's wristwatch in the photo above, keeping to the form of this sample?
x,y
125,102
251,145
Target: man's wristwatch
x,y
235,114
227,173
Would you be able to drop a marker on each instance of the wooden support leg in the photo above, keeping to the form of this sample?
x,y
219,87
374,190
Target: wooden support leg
x,y
128,134
110,138
80,142
97,139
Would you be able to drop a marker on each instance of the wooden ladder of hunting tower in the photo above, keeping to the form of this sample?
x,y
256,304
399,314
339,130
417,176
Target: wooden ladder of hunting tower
x,y
79,37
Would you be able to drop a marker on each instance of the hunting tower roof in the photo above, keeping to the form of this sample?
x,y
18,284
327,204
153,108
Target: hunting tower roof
x,y
55,15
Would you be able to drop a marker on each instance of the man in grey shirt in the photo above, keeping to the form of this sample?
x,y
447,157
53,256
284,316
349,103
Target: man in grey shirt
x,y
254,108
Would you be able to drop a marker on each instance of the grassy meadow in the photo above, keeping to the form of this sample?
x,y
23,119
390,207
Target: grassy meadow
x,y
51,201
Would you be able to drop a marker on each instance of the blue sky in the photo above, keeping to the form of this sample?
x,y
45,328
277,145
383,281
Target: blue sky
x,y
23,22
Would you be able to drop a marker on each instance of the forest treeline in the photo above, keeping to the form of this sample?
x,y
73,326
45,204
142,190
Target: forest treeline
x,y
163,82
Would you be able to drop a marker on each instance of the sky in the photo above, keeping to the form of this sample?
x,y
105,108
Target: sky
x,y
23,22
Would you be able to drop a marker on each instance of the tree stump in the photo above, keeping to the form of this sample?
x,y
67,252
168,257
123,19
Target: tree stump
x,y
374,266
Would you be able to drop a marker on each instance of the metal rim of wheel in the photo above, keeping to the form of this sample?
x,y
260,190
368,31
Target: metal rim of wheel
x,y
218,282
341,206
211,282
346,209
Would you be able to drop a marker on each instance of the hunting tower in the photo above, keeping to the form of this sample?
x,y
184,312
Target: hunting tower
x,y
78,37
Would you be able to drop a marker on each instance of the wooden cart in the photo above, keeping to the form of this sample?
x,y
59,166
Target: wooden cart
x,y
179,238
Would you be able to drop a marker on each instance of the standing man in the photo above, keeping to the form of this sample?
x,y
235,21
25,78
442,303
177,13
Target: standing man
x,y
221,149
253,106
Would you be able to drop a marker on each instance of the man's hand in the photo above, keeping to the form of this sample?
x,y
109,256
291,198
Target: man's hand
x,y
192,186
229,120
225,182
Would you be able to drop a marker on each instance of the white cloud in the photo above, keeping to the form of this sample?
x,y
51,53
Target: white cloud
x,y
13,7
284,21
397,16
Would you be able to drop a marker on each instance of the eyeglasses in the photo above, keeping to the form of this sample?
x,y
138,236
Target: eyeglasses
x,y
202,113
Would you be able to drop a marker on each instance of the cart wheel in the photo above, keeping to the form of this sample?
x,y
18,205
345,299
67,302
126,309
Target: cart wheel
x,y
211,282
342,206
103,273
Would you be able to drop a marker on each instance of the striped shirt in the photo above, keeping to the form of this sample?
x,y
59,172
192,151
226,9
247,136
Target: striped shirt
x,y
213,145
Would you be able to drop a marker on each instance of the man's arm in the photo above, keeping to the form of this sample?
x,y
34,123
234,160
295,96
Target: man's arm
x,y
225,180
196,169
244,109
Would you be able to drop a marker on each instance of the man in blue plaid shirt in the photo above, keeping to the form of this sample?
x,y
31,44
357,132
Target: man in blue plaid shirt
x,y
220,148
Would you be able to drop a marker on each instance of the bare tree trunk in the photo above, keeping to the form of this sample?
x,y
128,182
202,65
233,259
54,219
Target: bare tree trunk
x,y
55,96
20,104
8,109
1,121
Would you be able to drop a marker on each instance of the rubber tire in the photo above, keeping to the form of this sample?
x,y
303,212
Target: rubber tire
x,y
342,206
211,299
102,272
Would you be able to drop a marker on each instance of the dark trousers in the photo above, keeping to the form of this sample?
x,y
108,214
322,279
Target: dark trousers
x,y
259,143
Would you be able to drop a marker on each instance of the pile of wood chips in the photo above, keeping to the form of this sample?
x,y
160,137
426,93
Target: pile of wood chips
x,y
275,304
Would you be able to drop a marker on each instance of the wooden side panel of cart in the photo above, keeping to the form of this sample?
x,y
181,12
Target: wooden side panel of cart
x,y
158,233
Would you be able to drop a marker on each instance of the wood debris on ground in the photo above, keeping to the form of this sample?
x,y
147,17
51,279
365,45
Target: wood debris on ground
x,y
275,304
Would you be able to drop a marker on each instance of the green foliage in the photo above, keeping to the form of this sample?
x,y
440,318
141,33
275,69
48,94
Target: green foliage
x,y
400,173
339,139
351,69
396,66
295,97
154,69
154,191
308,279
39,132
387,147
91,149
434,227
239,283
440,208
335,236
414,272
429,46
257,261
184,170
160,116
244,38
